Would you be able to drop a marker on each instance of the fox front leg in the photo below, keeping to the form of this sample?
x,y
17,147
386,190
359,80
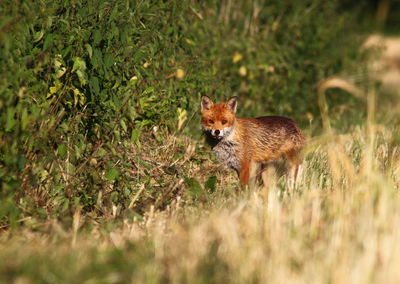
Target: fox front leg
x,y
244,173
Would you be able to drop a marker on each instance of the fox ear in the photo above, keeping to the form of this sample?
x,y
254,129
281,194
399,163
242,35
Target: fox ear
x,y
206,103
231,104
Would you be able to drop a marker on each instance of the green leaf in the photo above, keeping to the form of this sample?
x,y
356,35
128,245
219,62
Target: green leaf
x,y
135,137
211,183
38,36
194,187
48,41
149,90
62,150
80,68
78,97
112,174
145,164
66,51
109,60
96,37
101,152
79,64
170,170
89,50
24,119
10,122
97,58
71,168
21,162
123,124
94,85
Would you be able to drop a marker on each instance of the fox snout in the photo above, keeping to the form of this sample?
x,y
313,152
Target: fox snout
x,y
216,133
221,133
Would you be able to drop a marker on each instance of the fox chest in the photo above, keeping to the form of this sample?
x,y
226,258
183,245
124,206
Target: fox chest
x,y
225,151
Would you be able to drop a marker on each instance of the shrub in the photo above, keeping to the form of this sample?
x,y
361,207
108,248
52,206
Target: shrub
x,y
84,82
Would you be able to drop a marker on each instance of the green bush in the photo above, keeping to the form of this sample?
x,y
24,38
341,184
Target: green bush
x,y
84,82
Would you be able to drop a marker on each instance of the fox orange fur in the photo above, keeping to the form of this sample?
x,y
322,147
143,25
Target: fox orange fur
x,y
243,143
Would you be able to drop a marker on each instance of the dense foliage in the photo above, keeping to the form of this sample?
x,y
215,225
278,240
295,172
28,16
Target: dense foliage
x,y
88,89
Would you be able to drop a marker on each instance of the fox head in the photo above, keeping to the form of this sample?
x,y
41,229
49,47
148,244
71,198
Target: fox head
x,y
217,119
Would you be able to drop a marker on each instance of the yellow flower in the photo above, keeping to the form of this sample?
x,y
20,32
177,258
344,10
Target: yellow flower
x,y
180,73
243,71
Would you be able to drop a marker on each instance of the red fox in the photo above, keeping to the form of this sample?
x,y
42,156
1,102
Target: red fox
x,y
243,143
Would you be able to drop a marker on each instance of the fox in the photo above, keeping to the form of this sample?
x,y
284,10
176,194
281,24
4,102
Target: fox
x,y
245,144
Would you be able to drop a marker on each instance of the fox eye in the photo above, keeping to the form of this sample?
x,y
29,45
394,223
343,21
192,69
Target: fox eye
x,y
211,121
224,121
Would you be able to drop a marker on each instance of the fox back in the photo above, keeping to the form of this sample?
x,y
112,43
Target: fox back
x,y
241,142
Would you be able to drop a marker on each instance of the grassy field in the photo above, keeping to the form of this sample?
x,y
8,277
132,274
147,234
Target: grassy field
x,y
340,225
106,178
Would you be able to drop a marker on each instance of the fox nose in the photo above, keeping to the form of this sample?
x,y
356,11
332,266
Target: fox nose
x,y
217,132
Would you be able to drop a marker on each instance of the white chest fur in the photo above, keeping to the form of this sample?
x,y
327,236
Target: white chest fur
x,y
225,151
